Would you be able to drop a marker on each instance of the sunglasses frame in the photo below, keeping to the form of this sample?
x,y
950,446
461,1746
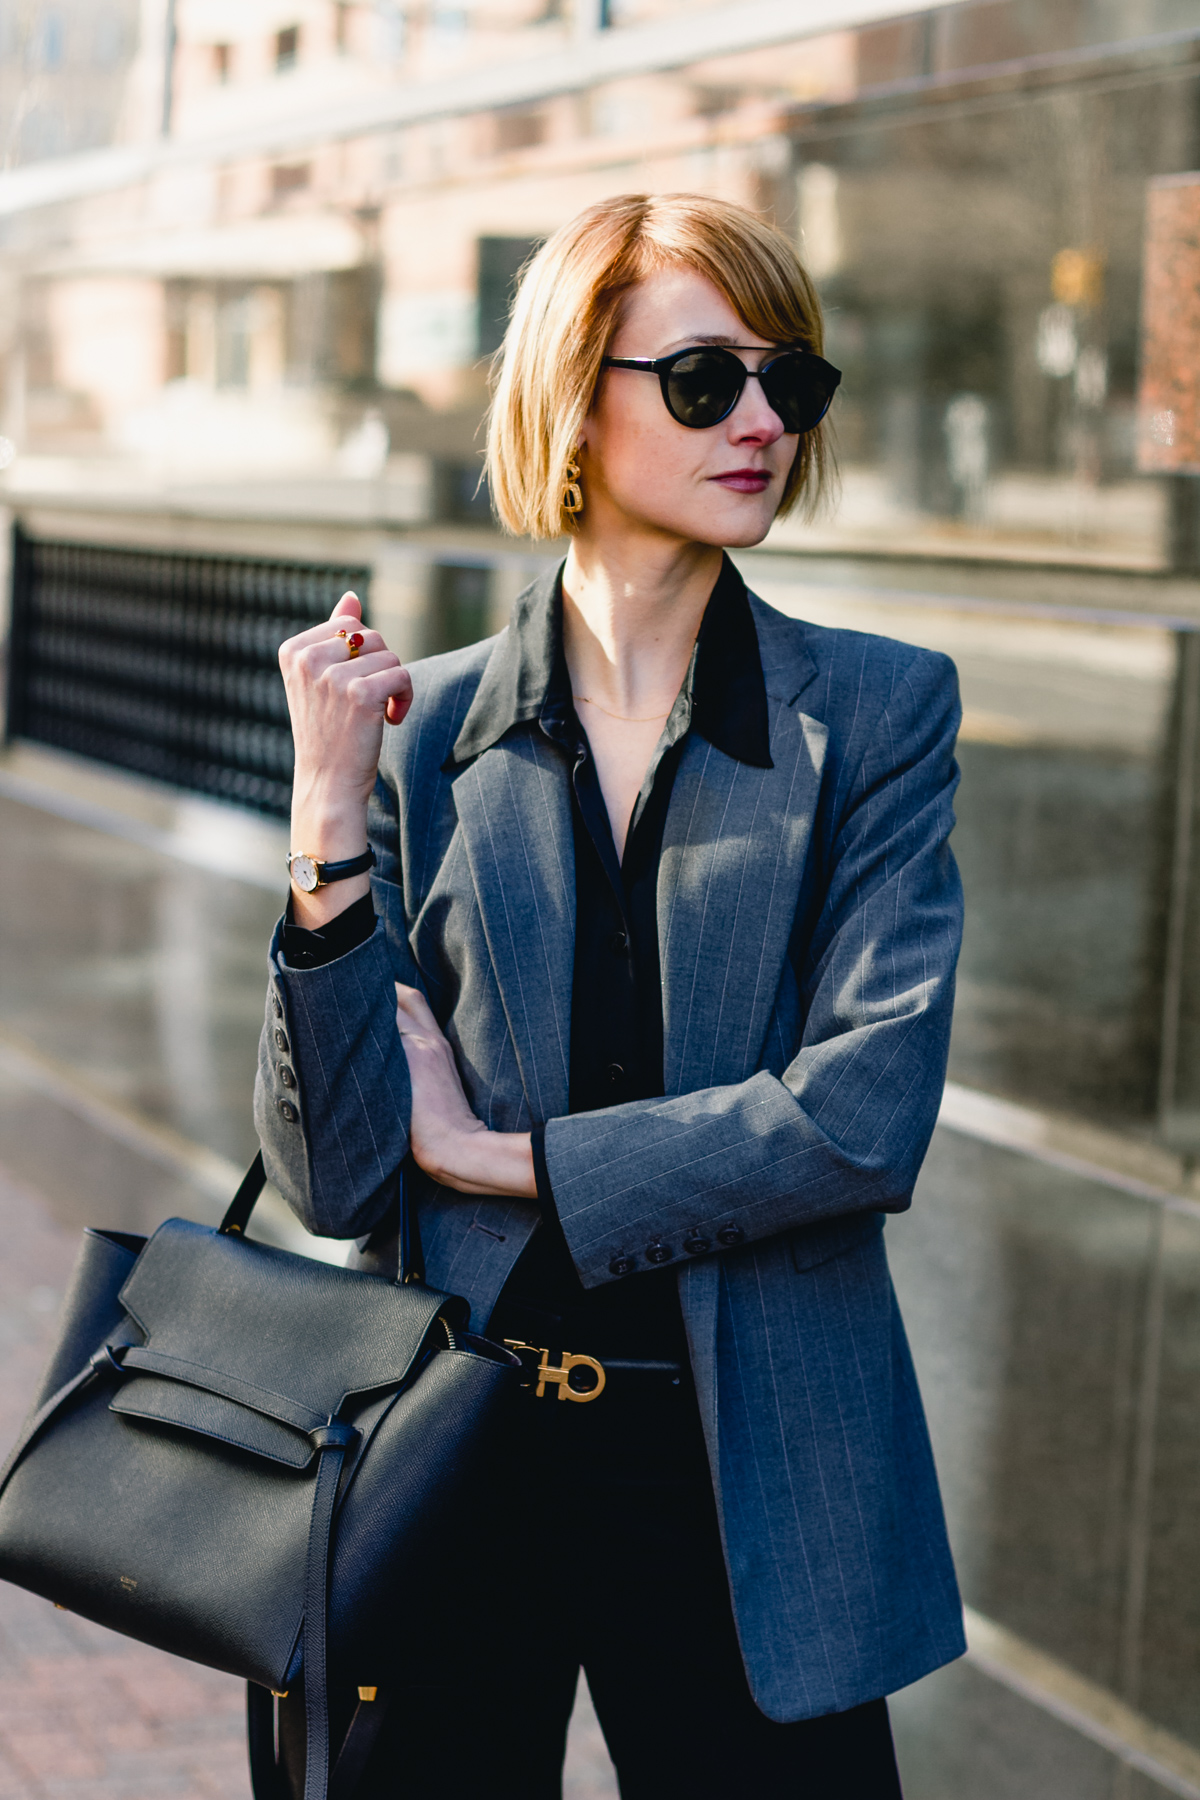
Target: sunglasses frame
x,y
663,366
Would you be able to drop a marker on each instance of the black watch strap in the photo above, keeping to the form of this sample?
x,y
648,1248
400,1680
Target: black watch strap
x,y
300,865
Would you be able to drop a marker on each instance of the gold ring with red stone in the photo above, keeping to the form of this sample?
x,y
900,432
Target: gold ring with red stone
x,y
354,643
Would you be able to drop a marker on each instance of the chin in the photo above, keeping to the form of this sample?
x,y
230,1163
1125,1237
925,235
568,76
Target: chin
x,y
747,535
738,527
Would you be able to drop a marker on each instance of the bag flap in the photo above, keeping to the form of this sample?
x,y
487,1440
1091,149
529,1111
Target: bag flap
x,y
287,1323
191,1409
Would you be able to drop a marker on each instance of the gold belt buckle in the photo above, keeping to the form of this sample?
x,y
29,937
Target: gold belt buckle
x,y
560,1376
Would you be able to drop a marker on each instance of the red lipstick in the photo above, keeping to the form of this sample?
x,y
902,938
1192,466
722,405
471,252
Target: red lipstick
x,y
744,481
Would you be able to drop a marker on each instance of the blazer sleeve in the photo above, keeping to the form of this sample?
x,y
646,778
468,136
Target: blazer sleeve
x,y
845,1127
332,1101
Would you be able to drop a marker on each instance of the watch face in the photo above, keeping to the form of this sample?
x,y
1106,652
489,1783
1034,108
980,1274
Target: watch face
x,y
304,874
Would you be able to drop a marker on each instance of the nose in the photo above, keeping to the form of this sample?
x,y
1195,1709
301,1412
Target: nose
x,y
752,420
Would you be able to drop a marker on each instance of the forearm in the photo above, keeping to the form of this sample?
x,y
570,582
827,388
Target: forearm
x,y
479,1161
842,1130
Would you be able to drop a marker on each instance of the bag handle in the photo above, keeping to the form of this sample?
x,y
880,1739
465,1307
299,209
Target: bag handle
x,y
409,1262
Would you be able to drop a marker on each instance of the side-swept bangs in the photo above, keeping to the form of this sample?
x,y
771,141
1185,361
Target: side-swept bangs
x,y
568,307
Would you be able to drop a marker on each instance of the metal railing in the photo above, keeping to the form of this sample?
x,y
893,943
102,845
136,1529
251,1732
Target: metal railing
x,y
164,662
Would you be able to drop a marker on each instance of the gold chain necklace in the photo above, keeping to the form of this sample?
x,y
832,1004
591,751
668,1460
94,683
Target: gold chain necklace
x,y
626,718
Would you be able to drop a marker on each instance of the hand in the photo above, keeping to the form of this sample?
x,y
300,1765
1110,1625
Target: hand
x,y
338,705
448,1141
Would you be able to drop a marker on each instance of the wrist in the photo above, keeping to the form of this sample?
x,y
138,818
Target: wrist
x,y
479,1161
331,834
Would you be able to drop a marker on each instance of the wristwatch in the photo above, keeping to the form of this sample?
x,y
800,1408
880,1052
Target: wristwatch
x,y
309,874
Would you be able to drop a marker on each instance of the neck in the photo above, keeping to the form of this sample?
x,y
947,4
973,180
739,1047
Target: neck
x,y
630,617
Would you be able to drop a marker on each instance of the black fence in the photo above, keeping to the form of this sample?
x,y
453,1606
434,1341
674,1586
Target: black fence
x,y
164,662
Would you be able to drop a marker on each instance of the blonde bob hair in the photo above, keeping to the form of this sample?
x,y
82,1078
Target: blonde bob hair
x,y
568,308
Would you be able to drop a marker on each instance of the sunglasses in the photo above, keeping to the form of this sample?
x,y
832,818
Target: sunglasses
x,y
701,387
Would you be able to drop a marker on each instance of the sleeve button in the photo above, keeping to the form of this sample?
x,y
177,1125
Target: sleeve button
x,y
622,1265
658,1252
287,1076
730,1235
277,1003
695,1244
281,1042
288,1111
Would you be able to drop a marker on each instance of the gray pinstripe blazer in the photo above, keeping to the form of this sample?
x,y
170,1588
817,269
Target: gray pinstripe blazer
x,y
809,920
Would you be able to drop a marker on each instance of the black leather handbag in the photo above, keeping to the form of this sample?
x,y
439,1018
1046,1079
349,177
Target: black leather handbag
x,y
245,1457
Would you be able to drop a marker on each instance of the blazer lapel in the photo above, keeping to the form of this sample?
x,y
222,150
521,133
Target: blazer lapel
x,y
729,880
514,813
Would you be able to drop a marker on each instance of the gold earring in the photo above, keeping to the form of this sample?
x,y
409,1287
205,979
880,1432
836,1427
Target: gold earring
x,y
572,499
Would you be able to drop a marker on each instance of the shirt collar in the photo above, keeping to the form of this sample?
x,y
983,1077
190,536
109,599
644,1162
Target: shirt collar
x,y
724,695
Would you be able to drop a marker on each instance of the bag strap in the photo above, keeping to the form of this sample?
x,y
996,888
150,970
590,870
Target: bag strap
x,y
410,1263
332,1442
101,1363
237,1213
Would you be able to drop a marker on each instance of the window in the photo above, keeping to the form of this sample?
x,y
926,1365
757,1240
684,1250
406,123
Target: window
x,y
341,25
287,48
501,260
460,606
289,178
519,127
222,62
233,338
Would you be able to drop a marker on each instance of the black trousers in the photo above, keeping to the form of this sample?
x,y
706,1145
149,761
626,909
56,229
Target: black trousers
x,y
597,1547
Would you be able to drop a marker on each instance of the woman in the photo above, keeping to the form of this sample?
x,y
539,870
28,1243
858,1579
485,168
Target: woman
x,y
662,883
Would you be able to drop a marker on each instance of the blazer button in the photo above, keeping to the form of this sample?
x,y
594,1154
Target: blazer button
x,y
622,1265
730,1235
619,942
695,1245
658,1252
288,1110
281,1042
286,1076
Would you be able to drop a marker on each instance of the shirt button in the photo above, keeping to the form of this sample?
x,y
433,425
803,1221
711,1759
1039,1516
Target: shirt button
x,y
730,1235
695,1244
622,1265
281,1042
288,1110
286,1076
616,1073
619,942
658,1252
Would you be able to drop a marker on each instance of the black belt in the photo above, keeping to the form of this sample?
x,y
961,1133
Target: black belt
x,y
571,1374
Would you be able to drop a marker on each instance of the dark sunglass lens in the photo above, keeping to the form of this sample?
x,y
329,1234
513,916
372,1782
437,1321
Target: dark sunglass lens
x,y
799,389
703,387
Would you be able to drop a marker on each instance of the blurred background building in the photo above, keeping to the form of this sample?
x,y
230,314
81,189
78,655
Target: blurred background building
x,y
254,260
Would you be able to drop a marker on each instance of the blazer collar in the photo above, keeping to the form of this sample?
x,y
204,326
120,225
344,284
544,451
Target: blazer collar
x,y
526,675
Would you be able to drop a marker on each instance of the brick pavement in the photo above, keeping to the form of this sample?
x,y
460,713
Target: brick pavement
x,y
88,1715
